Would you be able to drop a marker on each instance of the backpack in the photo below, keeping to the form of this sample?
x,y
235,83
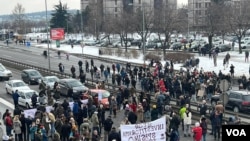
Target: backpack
x,y
33,99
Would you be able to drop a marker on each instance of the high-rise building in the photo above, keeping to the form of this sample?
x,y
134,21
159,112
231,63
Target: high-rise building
x,y
115,7
197,11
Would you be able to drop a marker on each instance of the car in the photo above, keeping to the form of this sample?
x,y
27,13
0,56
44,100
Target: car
x,y
66,84
246,45
5,74
25,98
238,101
50,81
95,94
13,85
223,48
89,42
119,44
31,76
150,45
176,46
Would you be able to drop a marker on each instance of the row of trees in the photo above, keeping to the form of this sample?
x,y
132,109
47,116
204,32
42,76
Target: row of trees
x,y
221,18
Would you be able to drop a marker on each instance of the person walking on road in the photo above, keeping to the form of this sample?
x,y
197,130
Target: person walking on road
x,y
15,96
246,55
107,127
61,68
73,71
34,100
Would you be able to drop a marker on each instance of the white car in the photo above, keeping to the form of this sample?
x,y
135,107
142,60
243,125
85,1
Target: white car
x,y
5,74
50,81
246,45
25,98
13,85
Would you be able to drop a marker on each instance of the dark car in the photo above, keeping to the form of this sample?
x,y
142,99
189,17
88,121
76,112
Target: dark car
x,y
237,101
31,76
223,48
176,46
151,45
136,42
65,85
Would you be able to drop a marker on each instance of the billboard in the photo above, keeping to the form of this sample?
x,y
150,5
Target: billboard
x,y
57,34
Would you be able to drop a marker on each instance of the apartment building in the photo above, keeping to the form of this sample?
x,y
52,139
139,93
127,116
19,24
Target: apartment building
x,y
197,11
115,7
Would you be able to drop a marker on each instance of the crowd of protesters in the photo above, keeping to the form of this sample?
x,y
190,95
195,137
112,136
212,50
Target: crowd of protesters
x,y
90,121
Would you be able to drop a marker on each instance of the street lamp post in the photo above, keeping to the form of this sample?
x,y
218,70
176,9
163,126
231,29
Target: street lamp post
x,y
47,30
82,33
143,29
95,29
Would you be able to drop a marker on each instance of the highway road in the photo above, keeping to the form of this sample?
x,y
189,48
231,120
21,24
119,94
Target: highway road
x,y
33,56
6,101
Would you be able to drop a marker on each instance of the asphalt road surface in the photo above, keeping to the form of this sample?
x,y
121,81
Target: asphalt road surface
x,y
33,56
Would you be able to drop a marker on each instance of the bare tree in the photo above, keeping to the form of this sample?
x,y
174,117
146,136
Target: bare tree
x,y
19,18
143,17
213,22
124,26
108,26
238,18
166,21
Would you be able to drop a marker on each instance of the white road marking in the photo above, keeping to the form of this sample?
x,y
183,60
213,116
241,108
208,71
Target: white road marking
x,y
32,61
7,56
7,103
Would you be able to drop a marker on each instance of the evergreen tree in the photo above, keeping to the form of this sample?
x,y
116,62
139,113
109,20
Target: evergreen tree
x,y
60,17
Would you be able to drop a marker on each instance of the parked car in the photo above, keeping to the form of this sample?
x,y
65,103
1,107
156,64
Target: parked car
x,y
66,84
13,85
246,45
25,98
89,42
5,74
50,81
31,76
223,47
136,42
150,45
238,101
176,46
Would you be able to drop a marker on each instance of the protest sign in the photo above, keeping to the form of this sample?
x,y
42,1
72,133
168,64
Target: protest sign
x,y
149,131
29,112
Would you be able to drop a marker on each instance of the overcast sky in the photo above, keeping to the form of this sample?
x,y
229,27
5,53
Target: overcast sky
x,y
30,6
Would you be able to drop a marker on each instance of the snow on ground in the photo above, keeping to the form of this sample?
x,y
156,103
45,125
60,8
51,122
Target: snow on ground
x,y
238,60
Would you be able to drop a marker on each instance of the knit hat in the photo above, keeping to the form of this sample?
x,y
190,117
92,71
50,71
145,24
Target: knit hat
x,y
197,124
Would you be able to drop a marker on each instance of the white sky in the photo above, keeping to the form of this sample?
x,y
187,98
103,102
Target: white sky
x,y
30,6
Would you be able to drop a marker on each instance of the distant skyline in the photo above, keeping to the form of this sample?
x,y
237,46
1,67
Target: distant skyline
x,y
30,6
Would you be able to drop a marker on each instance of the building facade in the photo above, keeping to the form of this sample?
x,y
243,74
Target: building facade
x,y
197,11
115,7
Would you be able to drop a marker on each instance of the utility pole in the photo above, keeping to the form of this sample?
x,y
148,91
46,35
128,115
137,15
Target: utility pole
x,y
143,28
47,30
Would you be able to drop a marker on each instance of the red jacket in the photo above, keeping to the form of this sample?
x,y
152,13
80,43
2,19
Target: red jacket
x,y
133,107
197,133
8,121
